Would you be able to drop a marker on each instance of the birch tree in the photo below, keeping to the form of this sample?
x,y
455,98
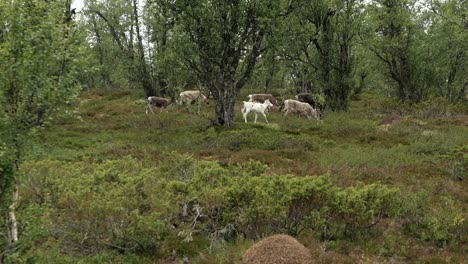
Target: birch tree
x,y
40,58
222,41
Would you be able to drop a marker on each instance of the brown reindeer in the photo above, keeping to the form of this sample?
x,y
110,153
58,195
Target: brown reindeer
x,y
160,102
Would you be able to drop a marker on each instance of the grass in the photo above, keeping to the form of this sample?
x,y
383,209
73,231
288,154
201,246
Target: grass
x,y
413,155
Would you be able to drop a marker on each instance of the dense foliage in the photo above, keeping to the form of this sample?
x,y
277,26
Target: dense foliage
x,y
412,50
124,206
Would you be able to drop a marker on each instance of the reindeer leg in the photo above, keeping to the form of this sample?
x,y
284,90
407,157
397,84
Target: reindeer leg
x,y
150,108
265,117
199,105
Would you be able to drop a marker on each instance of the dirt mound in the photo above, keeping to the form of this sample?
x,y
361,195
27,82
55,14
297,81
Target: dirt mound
x,y
277,249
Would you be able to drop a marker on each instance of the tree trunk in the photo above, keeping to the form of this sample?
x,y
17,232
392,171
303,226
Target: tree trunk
x,y
324,50
271,65
161,49
12,217
225,102
104,72
143,70
13,223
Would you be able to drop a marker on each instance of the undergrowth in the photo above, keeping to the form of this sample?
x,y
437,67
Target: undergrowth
x,y
113,184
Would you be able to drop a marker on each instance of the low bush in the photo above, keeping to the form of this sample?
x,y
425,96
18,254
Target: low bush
x,y
456,163
437,107
443,224
435,143
93,207
185,205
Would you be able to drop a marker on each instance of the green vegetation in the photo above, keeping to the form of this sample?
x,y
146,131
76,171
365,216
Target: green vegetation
x,y
118,186
87,177
37,79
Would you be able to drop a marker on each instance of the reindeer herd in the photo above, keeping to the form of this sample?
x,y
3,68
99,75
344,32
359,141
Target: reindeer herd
x,y
303,104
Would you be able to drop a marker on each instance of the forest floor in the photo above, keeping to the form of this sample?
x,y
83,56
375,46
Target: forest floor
x,y
424,149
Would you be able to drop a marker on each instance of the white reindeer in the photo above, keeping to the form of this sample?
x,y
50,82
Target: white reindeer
x,y
256,108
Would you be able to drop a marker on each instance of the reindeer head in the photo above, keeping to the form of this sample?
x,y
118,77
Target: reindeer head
x,y
206,99
268,104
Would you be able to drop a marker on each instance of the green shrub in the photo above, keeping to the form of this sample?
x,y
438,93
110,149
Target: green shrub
x,y
95,206
363,206
442,224
186,205
434,142
437,107
174,166
457,166
254,168
261,204
279,204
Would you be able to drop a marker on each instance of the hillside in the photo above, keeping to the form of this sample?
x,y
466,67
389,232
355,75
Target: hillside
x,y
111,184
